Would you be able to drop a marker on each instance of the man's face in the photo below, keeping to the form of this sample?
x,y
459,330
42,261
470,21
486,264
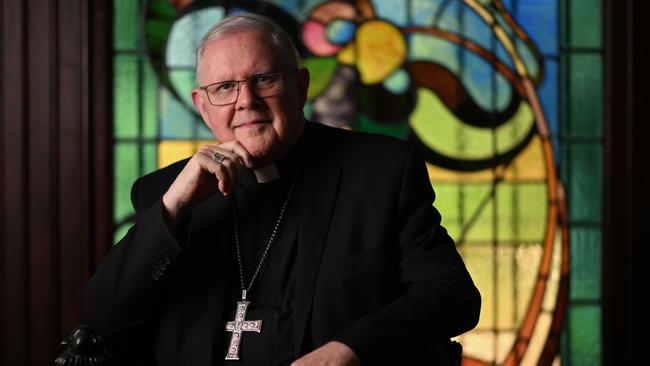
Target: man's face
x,y
266,127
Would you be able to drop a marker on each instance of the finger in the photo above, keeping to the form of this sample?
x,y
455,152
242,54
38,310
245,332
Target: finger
x,y
240,151
211,150
219,170
231,168
230,161
231,174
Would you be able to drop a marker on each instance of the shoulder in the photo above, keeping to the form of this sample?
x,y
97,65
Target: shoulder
x,y
361,152
150,187
355,145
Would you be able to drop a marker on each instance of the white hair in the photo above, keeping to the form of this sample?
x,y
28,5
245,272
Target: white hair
x,y
241,21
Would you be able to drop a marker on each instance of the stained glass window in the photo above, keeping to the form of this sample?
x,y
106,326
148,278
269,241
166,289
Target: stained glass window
x,y
503,99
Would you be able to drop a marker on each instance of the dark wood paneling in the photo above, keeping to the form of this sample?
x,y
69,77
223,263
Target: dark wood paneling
x,y
71,162
13,290
100,130
626,231
55,213
42,204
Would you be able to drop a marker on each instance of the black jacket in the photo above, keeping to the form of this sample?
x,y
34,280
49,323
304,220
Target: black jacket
x,y
375,269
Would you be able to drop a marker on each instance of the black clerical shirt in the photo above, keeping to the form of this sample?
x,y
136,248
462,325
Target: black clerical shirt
x,y
272,295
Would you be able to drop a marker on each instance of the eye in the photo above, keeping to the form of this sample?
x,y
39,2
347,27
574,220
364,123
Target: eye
x,y
225,87
265,80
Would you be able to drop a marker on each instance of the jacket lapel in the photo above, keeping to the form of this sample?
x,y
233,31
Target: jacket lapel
x,y
319,190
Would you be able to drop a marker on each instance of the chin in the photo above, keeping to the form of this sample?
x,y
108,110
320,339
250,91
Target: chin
x,y
261,152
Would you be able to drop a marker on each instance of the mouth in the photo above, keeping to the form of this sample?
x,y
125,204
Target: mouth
x,y
250,124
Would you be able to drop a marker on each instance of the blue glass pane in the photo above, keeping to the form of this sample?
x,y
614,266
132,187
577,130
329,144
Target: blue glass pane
x,y
176,120
539,20
392,10
423,12
549,98
476,29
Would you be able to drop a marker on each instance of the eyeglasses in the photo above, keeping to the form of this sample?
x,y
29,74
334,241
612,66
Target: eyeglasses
x,y
261,85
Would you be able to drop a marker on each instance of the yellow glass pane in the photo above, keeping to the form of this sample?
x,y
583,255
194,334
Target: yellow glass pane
x,y
171,151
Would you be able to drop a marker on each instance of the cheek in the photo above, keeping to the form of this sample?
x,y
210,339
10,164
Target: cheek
x,y
220,127
286,115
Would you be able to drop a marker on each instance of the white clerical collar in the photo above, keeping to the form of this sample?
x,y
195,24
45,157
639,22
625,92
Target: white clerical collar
x,y
267,174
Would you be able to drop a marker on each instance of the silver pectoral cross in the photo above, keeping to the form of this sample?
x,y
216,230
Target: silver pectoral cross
x,y
240,325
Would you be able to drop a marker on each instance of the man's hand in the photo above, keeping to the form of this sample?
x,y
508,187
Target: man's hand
x,y
330,354
203,176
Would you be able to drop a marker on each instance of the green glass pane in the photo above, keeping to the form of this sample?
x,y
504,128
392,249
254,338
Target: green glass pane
x,y
321,70
125,96
125,24
586,268
585,182
149,157
521,212
586,95
201,130
175,120
584,335
423,47
126,170
149,102
585,23
477,212
183,81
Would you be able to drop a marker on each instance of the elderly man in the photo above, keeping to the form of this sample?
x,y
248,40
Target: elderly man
x,y
287,243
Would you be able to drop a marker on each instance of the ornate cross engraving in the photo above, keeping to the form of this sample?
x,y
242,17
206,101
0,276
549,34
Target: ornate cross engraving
x,y
239,325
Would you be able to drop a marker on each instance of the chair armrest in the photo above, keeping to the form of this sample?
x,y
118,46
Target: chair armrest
x,y
83,348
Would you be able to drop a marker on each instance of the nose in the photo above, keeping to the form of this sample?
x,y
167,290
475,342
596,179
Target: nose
x,y
246,96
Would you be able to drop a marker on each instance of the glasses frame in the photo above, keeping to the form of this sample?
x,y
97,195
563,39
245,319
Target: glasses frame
x,y
253,91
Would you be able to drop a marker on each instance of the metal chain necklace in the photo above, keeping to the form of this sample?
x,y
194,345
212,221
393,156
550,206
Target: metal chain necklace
x,y
240,324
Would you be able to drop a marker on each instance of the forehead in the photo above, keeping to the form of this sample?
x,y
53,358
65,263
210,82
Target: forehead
x,y
239,54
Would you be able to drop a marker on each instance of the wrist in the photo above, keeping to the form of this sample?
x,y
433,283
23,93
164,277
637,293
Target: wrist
x,y
173,212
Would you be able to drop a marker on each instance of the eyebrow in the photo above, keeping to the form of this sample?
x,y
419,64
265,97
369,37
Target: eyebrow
x,y
248,77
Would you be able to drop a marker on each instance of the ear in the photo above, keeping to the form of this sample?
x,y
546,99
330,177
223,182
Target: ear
x,y
199,99
303,86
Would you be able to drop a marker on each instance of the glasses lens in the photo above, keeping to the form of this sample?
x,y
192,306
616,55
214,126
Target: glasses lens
x,y
223,93
262,86
266,85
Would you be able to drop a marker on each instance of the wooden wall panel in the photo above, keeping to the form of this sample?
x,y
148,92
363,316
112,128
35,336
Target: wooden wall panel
x,y
55,212
627,198
42,203
72,162
13,290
